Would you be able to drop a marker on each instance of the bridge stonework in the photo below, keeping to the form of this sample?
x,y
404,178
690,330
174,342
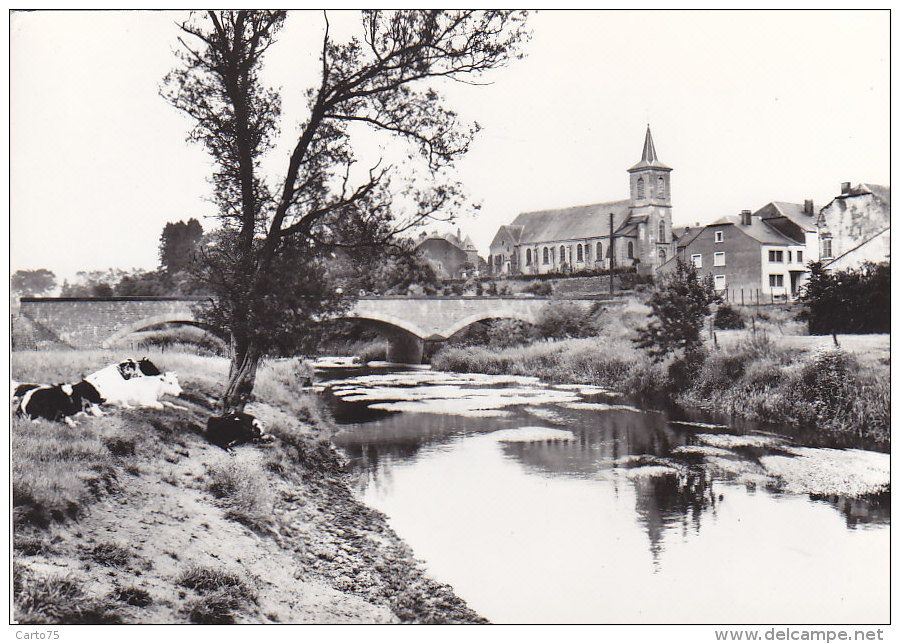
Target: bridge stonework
x,y
90,323
87,323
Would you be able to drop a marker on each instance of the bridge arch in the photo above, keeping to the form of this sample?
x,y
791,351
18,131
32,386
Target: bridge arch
x,y
390,320
481,317
153,320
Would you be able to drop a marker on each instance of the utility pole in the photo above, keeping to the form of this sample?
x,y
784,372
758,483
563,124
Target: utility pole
x,y
612,254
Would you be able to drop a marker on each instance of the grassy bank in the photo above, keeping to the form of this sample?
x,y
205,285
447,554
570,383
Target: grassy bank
x,y
134,518
764,376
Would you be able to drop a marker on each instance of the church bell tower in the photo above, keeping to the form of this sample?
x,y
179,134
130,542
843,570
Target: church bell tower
x,y
651,207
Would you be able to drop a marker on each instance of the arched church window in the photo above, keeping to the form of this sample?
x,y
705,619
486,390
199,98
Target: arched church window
x,y
599,251
546,255
662,255
562,254
630,250
580,252
528,257
661,188
662,230
640,188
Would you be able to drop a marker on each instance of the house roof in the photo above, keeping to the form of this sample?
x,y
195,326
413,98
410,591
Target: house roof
x,y
882,193
758,230
455,240
688,235
577,222
795,213
648,156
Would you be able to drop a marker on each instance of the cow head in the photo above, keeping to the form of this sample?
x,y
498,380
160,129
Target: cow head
x,y
170,384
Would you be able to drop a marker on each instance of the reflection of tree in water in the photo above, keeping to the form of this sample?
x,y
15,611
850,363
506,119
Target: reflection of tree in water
x,y
862,511
672,499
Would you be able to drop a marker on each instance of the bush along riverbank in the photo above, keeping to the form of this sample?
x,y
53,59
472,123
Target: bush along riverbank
x,y
134,518
827,389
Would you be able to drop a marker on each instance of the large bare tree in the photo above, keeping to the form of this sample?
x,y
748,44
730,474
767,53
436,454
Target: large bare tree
x,y
269,266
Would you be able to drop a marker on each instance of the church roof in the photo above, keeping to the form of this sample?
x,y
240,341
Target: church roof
x,y
648,156
578,222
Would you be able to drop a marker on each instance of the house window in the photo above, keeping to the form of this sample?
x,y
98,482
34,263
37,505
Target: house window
x,y
697,261
776,281
826,248
527,257
799,256
546,255
776,256
640,188
630,250
661,187
599,251
580,252
719,282
662,231
720,236
718,259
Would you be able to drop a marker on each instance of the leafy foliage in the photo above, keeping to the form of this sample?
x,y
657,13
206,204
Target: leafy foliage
x,y
269,268
33,283
850,301
679,308
177,245
728,318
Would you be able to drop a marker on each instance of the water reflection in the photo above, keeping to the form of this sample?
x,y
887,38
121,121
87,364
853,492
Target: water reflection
x,y
696,499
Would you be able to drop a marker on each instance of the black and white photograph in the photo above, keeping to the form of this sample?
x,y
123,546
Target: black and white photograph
x,y
450,316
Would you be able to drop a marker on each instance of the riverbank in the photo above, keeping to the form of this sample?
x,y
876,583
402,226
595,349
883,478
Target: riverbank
x,y
135,518
757,376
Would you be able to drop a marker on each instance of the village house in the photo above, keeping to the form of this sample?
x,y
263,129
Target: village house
x,y
451,256
751,257
576,239
855,227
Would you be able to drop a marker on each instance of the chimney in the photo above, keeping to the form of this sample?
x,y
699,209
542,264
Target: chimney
x,y
845,188
808,206
746,216
697,224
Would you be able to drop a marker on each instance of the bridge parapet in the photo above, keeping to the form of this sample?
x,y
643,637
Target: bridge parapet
x,y
102,321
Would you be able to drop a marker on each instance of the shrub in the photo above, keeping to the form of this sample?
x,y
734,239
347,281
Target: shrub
x,y
222,592
564,320
110,554
539,288
679,308
509,333
728,318
56,599
132,595
242,490
850,301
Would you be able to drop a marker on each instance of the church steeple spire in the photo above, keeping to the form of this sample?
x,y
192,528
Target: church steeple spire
x,y
648,157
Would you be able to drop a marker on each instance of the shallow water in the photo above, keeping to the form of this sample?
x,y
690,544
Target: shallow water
x,y
560,504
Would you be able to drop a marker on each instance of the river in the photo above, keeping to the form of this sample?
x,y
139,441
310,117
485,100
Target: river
x,y
562,504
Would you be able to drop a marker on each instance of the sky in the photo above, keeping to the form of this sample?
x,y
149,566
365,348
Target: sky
x,y
747,107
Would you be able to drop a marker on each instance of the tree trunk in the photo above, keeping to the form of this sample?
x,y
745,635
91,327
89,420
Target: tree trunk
x,y
241,375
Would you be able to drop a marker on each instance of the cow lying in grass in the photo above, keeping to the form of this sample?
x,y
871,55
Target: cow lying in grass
x,y
126,384
234,429
56,402
135,383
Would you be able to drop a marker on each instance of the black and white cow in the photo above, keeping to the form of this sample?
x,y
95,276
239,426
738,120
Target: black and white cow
x,y
57,402
234,429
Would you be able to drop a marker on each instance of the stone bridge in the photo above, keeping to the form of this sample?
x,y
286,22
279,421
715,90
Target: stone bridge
x,y
408,322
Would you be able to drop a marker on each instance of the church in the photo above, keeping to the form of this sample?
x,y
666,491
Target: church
x,y
570,240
